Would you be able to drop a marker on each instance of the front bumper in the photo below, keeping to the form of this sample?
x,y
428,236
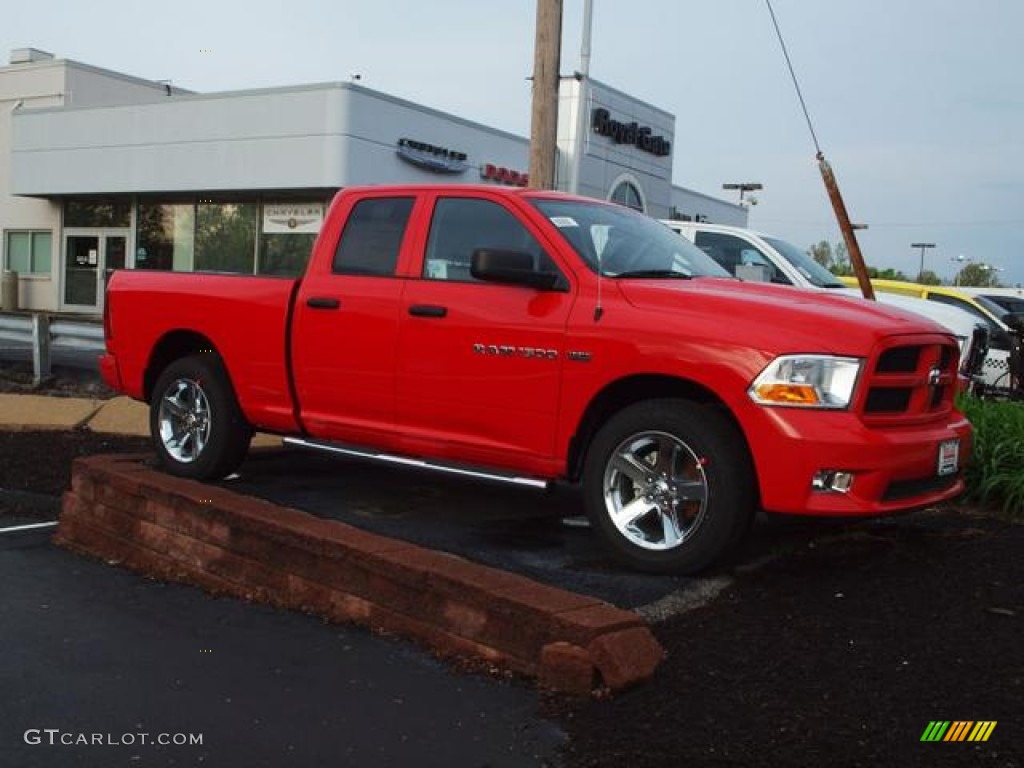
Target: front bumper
x,y
895,468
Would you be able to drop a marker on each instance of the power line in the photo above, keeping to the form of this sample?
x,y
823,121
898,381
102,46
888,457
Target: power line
x,y
945,223
792,74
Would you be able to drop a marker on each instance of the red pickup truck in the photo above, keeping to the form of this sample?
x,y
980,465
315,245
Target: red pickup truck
x,y
532,337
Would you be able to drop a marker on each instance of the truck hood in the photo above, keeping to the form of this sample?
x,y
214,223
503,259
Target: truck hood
x,y
771,316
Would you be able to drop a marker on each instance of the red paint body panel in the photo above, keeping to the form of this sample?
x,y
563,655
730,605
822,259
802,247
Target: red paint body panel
x,y
245,319
376,372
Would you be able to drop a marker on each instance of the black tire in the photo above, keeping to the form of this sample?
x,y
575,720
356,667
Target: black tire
x,y
195,421
669,485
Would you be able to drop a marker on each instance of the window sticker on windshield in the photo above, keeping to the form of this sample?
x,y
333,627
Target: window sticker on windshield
x,y
564,221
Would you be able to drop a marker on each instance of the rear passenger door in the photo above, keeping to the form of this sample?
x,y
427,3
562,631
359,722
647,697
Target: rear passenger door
x,y
345,326
480,361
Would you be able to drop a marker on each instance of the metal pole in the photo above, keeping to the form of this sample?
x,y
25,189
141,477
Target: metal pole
x,y
588,15
544,118
580,136
922,246
40,347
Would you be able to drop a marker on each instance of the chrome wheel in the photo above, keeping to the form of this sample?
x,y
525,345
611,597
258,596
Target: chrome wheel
x,y
184,420
655,490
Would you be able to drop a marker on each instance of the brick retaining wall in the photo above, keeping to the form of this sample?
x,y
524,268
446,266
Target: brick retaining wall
x,y
120,510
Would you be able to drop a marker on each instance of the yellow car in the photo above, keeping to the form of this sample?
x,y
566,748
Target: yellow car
x,y
997,365
938,293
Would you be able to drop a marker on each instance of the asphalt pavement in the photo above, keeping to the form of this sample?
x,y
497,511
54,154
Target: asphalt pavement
x,y
103,668
100,666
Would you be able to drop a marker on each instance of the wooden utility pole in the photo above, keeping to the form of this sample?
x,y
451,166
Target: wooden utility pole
x,y
547,54
860,268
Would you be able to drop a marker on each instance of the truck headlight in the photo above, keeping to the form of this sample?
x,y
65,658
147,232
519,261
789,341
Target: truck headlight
x,y
807,381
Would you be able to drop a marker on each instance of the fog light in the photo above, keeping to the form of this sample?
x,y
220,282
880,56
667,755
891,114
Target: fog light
x,y
832,480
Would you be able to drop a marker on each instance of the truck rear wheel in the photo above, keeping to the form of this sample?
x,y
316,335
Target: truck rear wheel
x,y
197,426
669,485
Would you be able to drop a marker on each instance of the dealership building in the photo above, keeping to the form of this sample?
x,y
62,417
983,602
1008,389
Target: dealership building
x,y
102,171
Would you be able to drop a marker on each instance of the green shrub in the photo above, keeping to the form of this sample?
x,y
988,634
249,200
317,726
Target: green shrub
x,y
995,474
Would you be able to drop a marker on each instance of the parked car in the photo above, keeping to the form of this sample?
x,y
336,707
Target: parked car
x,y
529,337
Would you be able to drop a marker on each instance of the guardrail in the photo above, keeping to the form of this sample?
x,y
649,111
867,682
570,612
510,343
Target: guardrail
x,y
43,332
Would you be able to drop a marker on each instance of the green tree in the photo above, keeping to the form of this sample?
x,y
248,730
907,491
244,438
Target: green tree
x,y
832,257
980,275
929,278
887,274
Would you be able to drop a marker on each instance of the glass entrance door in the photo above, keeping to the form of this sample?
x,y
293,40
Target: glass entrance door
x,y
89,260
81,265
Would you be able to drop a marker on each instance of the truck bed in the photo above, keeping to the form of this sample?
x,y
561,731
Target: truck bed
x,y
243,317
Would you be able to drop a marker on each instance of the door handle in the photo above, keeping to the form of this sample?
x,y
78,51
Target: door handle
x,y
427,310
322,302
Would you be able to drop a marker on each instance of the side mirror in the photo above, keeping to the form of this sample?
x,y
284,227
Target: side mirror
x,y
1000,339
513,268
975,361
1015,320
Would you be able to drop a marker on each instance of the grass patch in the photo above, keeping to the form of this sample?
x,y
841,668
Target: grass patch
x,y
995,474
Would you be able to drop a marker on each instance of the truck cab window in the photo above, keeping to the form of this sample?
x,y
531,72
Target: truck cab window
x,y
462,225
732,252
372,237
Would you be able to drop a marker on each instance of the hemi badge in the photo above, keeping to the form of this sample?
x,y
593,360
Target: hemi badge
x,y
579,357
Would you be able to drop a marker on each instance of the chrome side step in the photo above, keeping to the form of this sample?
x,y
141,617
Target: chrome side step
x,y
389,458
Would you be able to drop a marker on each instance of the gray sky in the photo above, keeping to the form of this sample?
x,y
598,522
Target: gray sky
x,y
919,106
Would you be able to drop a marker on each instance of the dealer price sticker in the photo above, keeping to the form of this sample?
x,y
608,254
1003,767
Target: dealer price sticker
x,y
949,457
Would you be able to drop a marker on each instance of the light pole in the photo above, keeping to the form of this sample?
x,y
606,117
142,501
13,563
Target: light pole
x,y
959,260
746,186
923,247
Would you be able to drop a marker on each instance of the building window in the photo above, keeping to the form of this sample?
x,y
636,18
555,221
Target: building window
x,y
626,193
29,253
165,236
98,213
225,237
373,236
287,235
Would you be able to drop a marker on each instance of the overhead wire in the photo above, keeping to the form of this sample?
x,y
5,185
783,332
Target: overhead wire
x,y
792,74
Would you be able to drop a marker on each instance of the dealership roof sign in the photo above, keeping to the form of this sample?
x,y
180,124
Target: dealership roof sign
x,y
431,157
639,136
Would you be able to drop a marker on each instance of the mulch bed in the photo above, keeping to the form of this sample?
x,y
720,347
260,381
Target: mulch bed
x,y
16,378
839,654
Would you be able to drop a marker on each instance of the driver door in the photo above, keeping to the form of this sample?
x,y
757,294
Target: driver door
x,y
480,361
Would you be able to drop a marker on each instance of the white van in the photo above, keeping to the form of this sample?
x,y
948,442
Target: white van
x,y
752,255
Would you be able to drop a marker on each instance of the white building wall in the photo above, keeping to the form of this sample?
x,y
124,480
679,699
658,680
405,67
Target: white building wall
x,y
604,162
376,122
695,206
93,87
320,136
23,87
278,138
50,83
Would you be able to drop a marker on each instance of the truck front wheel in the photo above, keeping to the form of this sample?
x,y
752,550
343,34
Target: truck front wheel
x,y
198,429
669,485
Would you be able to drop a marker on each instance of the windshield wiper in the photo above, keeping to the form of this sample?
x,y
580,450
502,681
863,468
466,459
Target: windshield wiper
x,y
656,273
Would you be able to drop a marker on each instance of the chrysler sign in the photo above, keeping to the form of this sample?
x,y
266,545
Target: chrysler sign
x,y
431,157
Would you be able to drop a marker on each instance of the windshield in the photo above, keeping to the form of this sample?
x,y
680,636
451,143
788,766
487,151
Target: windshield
x,y
993,307
626,243
805,265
